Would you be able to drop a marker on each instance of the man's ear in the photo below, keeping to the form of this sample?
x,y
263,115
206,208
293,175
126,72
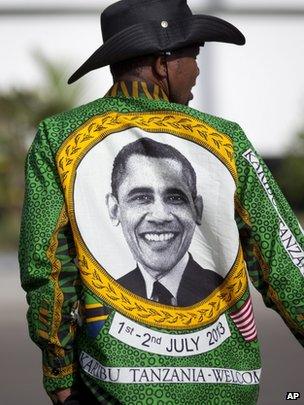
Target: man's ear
x,y
160,67
199,206
113,209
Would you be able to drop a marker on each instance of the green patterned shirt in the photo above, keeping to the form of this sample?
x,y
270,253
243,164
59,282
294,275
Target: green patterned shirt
x,y
142,221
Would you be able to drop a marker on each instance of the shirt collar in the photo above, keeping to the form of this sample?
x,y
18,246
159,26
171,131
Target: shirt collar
x,y
170,280
136,89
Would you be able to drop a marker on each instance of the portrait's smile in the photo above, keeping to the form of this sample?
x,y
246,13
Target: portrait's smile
x,y
159,240
158,237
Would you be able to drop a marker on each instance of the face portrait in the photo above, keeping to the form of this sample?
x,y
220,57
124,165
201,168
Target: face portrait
x,y
183,72
156,210
154,201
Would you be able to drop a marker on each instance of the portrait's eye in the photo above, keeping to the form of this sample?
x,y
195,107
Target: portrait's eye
x,y
142,198
177,199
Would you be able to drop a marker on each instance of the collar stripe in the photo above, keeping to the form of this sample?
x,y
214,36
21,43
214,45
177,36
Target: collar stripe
x,y
146,91
164,95
114,90
136,89
156,92
124,89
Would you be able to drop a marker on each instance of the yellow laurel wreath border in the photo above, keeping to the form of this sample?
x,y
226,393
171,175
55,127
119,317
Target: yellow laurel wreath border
x,y
93,274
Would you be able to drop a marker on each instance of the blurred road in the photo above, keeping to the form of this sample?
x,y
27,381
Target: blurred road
x,y
21,378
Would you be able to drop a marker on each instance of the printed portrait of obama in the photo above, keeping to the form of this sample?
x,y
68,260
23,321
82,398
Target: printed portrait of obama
x,y
154,199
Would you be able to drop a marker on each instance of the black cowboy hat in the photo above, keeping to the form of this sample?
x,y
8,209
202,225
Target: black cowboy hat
x,y
133,28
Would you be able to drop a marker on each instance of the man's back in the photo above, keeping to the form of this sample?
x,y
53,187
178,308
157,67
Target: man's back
x,y
133,180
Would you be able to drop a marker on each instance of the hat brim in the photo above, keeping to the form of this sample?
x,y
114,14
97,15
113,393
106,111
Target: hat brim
x,y
148,38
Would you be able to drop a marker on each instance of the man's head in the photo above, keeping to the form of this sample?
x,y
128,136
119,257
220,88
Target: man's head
x,y
132,28
155,200
175,72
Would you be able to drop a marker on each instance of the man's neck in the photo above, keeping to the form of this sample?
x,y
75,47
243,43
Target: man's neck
x,y
149,79
137,88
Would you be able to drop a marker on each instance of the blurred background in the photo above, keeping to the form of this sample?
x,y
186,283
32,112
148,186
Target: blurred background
x,y
260,86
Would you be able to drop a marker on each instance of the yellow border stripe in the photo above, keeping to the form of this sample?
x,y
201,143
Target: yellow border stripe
x,y
59,297
164,95
90,306
241,211
97,318
43,320
146,91
124,89
64,371
114,90
156,92
43,334
43,311
134,89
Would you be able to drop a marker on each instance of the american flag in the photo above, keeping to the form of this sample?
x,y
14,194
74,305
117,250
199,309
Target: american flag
x,y
244,321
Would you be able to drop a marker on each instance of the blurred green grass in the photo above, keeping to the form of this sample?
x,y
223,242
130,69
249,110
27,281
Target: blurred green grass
x,y
21,110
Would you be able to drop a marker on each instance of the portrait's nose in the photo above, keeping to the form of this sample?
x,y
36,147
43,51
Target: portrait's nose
x,y
159,211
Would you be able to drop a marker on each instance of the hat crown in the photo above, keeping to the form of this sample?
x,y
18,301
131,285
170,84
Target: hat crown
x,y
126,13
132,28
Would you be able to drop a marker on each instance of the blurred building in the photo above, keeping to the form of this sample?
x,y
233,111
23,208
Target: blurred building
x,y
260,85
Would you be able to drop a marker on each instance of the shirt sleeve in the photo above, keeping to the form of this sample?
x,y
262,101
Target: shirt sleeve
x,y
49,273
271,237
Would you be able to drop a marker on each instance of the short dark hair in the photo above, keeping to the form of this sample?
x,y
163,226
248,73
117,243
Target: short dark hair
x,y
150,148
130,66
134,66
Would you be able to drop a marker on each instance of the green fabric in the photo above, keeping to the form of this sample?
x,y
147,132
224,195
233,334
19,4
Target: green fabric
x,y
281,288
